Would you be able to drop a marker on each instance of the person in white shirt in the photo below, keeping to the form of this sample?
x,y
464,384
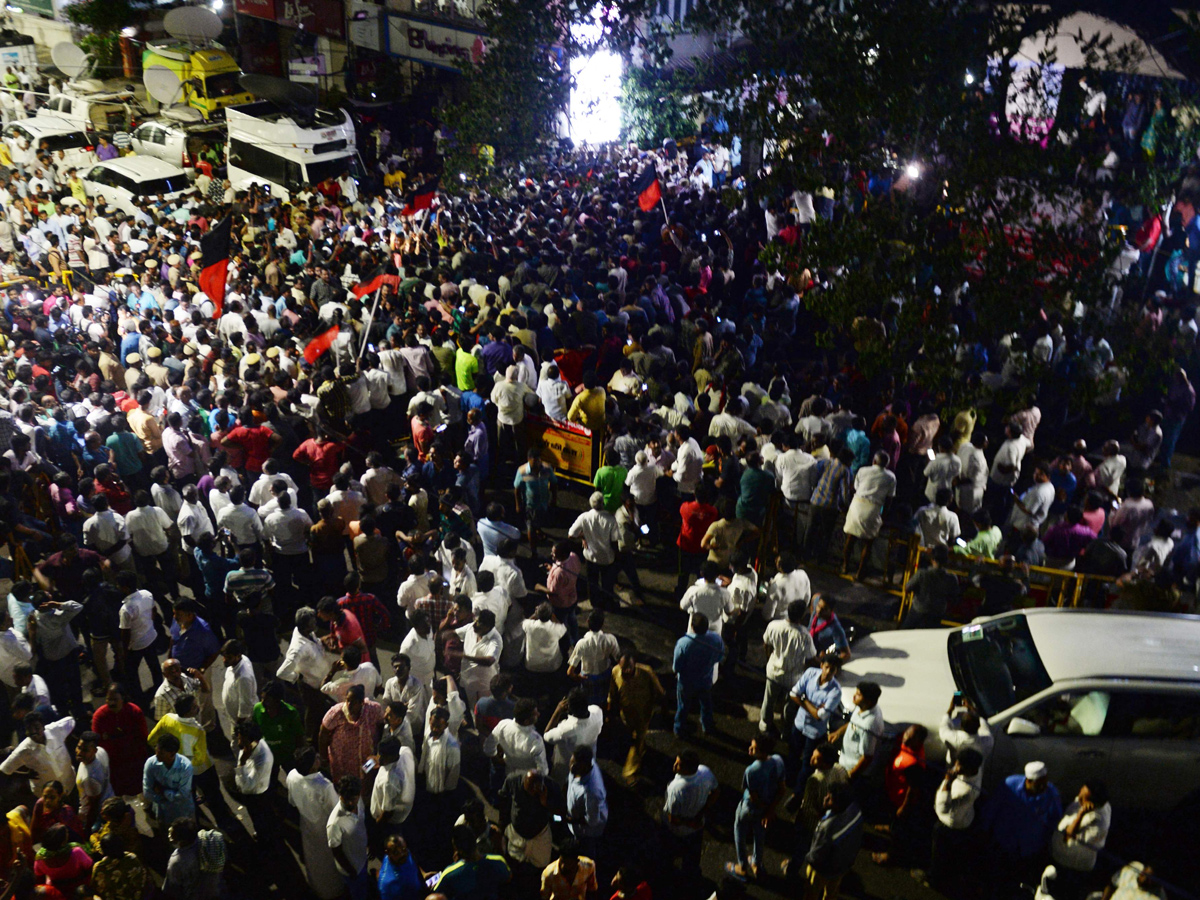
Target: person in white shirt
x,y
395,786
575,723
315,799
937,525
597,529
105,533
44,752
346,832
961,729
351,669
241,519
1031,508
943,470
1006,469
260,491
239,691
1080,836
791,649
555,394
406,688
861,735
136,619
689,461
789,584
376,479
511,397
642,481
441,756
305,664
418,647
954,805
148,528
444,694
730,422
252,777
543,636
974,475
709,597
14,649
519,747
794,469
193,519
482,646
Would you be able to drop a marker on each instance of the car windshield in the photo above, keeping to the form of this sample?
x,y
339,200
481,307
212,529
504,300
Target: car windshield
x,y
67,141
996,663
224,85
168,185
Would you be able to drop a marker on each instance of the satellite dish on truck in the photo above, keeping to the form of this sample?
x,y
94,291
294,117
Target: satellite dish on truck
x,y
164,86
70,59
194,24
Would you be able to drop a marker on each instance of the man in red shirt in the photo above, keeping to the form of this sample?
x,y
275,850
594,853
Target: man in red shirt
x,y
372,615
256,441
323,458
697,515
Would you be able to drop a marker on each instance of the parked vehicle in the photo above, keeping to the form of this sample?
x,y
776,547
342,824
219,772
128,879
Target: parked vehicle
x,y
93,110
208,76
124,180
58,134
1114,695
179,143
269,147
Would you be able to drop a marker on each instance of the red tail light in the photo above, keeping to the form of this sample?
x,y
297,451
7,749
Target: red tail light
x,y
89,148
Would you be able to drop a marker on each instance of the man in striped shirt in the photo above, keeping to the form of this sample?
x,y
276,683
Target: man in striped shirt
x,y
830,496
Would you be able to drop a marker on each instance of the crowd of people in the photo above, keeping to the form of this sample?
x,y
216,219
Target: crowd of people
x,y
230,518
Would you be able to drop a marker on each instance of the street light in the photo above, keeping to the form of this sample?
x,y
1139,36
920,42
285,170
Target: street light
x,y
913,171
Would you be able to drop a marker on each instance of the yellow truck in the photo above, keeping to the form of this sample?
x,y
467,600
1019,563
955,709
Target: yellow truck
x,y
208,77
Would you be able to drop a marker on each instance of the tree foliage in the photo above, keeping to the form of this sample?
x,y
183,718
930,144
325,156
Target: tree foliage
x,y
652,110
104,20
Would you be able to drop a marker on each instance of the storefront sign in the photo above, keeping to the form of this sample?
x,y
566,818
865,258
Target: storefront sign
x,y
308,70
433,44
321,17
259,9
566,447
365,28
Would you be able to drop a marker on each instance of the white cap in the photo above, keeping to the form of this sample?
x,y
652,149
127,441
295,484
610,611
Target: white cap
x,y
1036,770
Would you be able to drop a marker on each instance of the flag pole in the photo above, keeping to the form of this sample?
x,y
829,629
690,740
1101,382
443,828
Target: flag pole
x,y
663,202
367,331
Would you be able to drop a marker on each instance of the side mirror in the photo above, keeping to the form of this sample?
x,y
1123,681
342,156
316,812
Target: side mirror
x,y
1019,726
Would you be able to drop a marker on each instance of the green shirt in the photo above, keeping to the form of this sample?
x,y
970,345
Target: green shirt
x,y
127,450
466,365
610,481
983,544
281,732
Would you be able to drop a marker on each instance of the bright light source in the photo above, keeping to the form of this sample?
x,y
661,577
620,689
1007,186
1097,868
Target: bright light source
x,y
14,9
218,5
969,79
913,171
129,32
595,108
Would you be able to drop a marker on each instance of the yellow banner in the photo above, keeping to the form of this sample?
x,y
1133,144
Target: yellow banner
x,y
567,447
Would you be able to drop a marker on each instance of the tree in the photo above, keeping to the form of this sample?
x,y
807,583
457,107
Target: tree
x,y
104,20
513,97
652,110
883,105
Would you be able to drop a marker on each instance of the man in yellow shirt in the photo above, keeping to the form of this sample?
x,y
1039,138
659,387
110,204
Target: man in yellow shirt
x,y
193,743
75,183
588,408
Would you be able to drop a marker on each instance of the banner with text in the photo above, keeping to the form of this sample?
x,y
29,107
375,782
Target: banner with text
x,y
433,44
565,446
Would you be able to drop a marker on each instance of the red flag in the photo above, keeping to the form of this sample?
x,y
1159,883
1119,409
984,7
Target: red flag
x,y
649,191
374,283
214,261
320,344
421,198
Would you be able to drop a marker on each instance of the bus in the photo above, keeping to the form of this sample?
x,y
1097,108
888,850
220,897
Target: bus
x,y
267,147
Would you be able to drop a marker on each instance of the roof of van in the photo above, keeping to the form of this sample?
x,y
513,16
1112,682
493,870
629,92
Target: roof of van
x,y
39,126
1086,644
142,167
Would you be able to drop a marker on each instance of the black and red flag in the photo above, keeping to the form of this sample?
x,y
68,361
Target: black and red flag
x,y
649,191
214,261
320,344
374,282
421,198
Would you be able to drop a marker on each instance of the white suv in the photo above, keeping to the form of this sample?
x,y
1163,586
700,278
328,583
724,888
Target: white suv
x,y
1112,695
58,134
126,179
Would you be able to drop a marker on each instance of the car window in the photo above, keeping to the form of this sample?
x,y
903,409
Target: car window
x,y
1167,716
98,175
996,663
1079,713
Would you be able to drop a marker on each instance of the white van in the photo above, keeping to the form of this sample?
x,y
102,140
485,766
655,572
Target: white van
x,y
1111,695
89,110
268,147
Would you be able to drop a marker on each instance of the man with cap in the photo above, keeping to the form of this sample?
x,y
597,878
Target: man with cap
x,y
511,396
1021,816
155,370
133,371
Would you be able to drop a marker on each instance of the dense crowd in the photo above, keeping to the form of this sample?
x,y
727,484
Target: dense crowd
x,y
220,510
